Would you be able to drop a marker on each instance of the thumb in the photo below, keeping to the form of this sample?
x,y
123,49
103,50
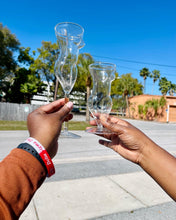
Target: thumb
x,y
63,112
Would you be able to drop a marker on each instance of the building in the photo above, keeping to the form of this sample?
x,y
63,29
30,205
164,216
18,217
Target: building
x,y
165,114
45,97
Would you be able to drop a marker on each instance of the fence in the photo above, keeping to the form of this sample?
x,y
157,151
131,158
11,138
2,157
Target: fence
x,y
15,112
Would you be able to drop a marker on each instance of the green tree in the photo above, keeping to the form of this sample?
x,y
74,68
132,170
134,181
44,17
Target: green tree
x,y
26,83
144,73
32,86
24,56
114,84
8,45
155,75
18,84
117,99
128,86
172,89
164,85
44,64
84,80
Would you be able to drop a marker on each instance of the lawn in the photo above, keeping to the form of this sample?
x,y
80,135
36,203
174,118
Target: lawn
x,y
21,125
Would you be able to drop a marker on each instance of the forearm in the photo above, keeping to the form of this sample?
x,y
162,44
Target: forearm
x,y
161,166
21,175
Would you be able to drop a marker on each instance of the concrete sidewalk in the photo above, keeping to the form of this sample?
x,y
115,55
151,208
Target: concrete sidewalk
x,y
91,198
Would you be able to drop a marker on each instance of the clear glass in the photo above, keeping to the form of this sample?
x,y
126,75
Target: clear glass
x,y
70,39
100,101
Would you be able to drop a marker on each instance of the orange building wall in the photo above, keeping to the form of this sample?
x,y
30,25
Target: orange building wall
x,y
167,114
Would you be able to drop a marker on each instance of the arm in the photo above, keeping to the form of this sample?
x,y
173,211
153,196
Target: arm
x,y
21,173
134,145
161,166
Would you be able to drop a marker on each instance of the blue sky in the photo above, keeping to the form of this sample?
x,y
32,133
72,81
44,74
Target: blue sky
x,y
120,31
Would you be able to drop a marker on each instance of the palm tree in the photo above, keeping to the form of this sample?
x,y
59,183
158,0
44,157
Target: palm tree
x,y
164,85
127,85
172,89
84,60
144,73
155,75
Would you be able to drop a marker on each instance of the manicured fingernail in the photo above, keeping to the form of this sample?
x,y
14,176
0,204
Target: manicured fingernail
x,y
69,104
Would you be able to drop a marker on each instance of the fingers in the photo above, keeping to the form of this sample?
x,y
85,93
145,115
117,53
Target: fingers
x,y
114,124
110,119
53,106
93,122
113,119
106,143
64,111
60,107
68,117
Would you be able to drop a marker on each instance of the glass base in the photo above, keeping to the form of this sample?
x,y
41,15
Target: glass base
x,y
95,130
68,134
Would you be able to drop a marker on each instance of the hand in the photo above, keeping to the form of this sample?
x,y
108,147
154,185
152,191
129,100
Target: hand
x,y
44,124
126,139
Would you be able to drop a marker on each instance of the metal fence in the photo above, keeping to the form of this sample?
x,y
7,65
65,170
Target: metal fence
x,y
15,112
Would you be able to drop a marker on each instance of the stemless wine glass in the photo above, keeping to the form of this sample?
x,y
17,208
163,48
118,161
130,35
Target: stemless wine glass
x,y
70,39
100,101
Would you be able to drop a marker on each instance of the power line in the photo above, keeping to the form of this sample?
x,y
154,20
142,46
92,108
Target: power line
x,y
124,67
134,61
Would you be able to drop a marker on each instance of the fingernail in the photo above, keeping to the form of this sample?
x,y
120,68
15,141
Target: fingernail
x,y
69,104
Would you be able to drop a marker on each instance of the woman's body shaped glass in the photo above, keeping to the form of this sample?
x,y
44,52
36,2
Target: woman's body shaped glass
x,y
70,39
100,101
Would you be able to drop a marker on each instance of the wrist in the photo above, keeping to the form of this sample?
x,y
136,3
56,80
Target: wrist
x,y
27,147
43,154
147,153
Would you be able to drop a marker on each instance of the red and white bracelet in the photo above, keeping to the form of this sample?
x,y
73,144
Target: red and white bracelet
x,y
43,154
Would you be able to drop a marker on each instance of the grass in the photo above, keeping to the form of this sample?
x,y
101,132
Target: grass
x,y
13,125
78,125
21,125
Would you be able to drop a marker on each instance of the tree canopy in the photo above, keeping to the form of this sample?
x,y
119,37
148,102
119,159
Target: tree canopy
x,y
126,85
144,72
84,78
44,64
17,84
8,45
166,86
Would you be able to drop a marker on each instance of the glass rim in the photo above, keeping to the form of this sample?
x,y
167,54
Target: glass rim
x,y
71,23
102,65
